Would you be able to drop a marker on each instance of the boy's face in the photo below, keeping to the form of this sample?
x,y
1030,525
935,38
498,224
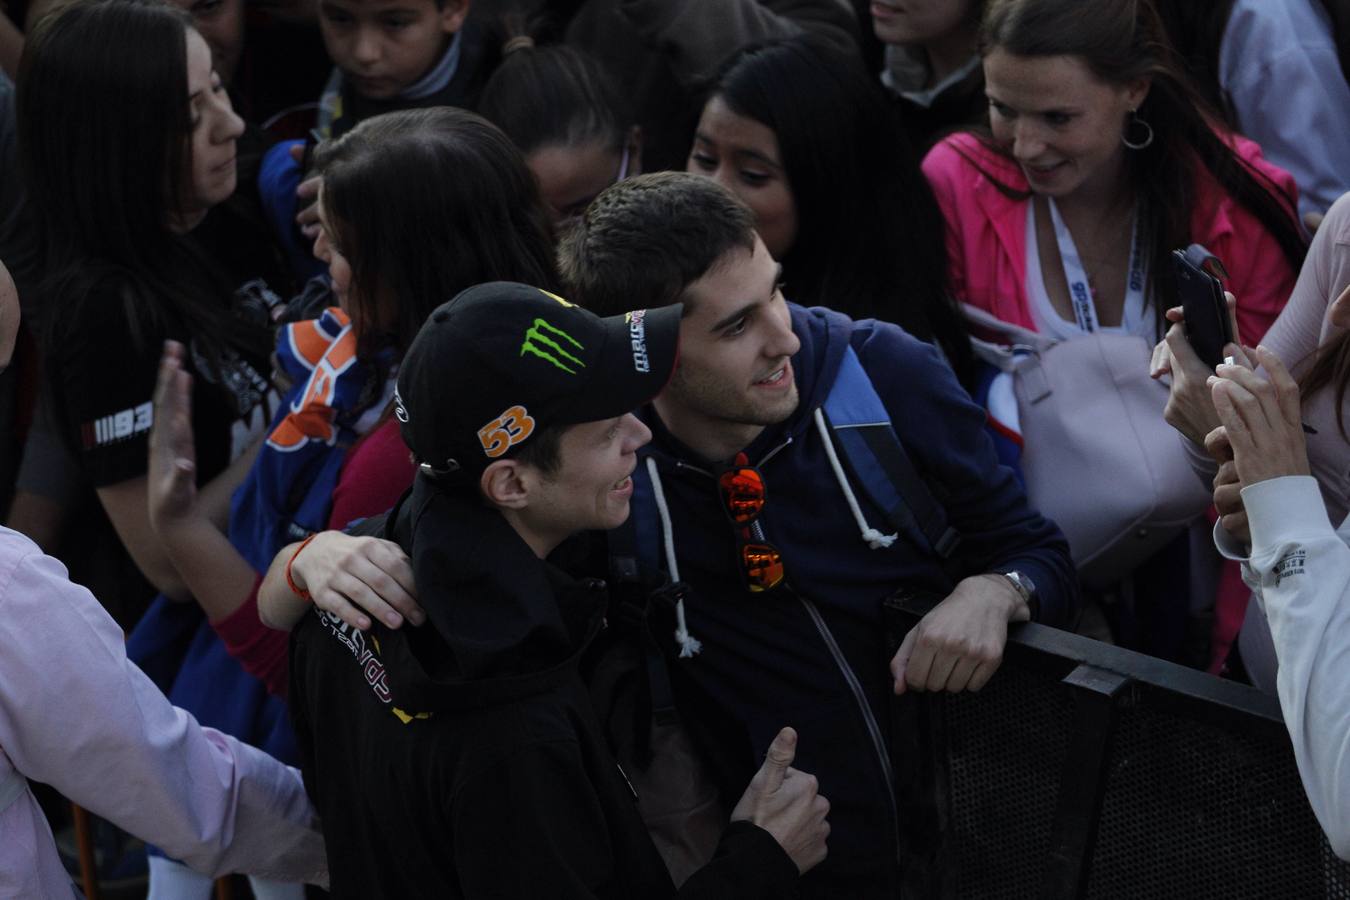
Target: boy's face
x,y
384,46
593,485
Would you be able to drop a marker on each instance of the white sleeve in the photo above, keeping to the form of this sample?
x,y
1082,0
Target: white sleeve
x,y
1278,63
75,713
1304,570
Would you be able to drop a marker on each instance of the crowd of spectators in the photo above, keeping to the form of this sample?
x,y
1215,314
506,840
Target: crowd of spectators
x,y
513,415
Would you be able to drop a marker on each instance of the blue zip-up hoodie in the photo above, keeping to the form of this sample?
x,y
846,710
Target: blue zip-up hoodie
x,y
766,659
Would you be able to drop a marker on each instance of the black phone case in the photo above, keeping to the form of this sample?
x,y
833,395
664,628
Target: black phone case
x,y
1202,301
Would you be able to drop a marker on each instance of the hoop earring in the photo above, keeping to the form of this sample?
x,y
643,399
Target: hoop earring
x,y
1135,124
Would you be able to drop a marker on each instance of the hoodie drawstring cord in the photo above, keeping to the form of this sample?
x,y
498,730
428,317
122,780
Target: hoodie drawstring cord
x,y
689,645
874,538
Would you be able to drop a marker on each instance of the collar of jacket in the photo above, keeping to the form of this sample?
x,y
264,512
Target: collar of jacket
x,y
502,623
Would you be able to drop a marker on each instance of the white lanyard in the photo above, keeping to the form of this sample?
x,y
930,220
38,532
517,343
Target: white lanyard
x,y
1080,293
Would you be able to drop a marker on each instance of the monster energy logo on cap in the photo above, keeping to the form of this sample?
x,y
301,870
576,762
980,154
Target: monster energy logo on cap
x,y
539,341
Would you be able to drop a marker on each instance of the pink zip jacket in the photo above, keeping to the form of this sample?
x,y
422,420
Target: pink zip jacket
x,y
987,233
76,714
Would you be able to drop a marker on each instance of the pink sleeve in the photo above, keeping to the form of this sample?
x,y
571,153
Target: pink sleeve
x,y
942,166
75,713
262,651
375,474
1261,277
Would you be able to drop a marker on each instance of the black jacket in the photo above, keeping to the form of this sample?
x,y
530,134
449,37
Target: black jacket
x,y
463,758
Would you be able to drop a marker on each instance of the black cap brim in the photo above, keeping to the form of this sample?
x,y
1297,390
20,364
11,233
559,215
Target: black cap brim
x,y
636,363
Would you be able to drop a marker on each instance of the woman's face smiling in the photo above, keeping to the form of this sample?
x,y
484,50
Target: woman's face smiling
x,y
1060,122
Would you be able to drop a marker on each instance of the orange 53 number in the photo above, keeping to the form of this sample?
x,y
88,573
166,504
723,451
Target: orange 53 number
x,y
505,431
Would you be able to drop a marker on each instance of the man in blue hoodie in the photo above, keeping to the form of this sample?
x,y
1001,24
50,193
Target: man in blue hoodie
x,y
464,759
781,554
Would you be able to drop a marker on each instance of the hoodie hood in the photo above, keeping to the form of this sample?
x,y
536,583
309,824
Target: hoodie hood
x,y
502,623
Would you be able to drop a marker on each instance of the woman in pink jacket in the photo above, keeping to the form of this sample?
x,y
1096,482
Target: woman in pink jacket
x,y
1102,161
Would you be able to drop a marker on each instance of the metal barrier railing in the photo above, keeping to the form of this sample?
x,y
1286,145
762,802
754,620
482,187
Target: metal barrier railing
x,y
1086,770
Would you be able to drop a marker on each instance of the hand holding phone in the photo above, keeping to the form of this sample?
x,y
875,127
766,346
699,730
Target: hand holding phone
x,y
1208,327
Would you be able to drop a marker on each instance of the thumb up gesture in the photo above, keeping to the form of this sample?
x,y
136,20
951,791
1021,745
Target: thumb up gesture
x,y
787,804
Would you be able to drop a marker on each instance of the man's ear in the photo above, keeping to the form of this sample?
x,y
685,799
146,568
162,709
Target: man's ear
x,y
506,483
453,14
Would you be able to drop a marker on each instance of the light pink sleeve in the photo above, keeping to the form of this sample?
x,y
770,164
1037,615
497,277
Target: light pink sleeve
x,y
1301,326
75,713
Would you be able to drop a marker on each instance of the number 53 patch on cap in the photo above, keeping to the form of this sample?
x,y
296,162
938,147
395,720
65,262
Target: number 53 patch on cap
x,y
504,432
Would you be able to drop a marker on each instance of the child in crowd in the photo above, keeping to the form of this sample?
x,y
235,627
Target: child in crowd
x,y
397,54
565,113
387,55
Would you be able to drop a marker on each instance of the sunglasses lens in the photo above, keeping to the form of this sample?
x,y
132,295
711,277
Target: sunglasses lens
x,y
743,494
763,566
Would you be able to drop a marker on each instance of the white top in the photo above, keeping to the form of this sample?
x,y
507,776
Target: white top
x,y
1278,63
1135,320
1299,571
75,713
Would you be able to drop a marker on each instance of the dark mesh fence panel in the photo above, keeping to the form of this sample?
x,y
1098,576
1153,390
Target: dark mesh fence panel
x,y
1006,748
1195,809
1198,794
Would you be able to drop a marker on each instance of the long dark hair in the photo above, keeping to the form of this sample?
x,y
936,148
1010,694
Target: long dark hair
x,y
869,232
1195,29
1121,41
104,130
553,95
425,203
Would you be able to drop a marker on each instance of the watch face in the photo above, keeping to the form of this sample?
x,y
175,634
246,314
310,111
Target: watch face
x,y
1024,584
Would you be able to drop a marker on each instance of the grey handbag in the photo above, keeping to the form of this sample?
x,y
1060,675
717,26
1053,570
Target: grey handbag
x,y
1097,457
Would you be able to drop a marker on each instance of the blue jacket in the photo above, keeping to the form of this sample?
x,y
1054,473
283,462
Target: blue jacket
x,y
765,660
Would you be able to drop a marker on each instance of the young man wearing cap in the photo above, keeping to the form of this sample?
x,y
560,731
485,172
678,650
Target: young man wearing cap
x,y
785,555
463,758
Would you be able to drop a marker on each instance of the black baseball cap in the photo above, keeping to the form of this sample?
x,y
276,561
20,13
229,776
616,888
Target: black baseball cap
x,y
501,360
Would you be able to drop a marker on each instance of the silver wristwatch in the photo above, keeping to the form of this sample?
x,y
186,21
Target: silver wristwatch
x,y
1024,586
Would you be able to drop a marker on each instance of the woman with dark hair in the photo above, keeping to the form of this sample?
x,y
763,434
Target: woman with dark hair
x,y
802,135
1103,160
565,113
415,206
128,161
